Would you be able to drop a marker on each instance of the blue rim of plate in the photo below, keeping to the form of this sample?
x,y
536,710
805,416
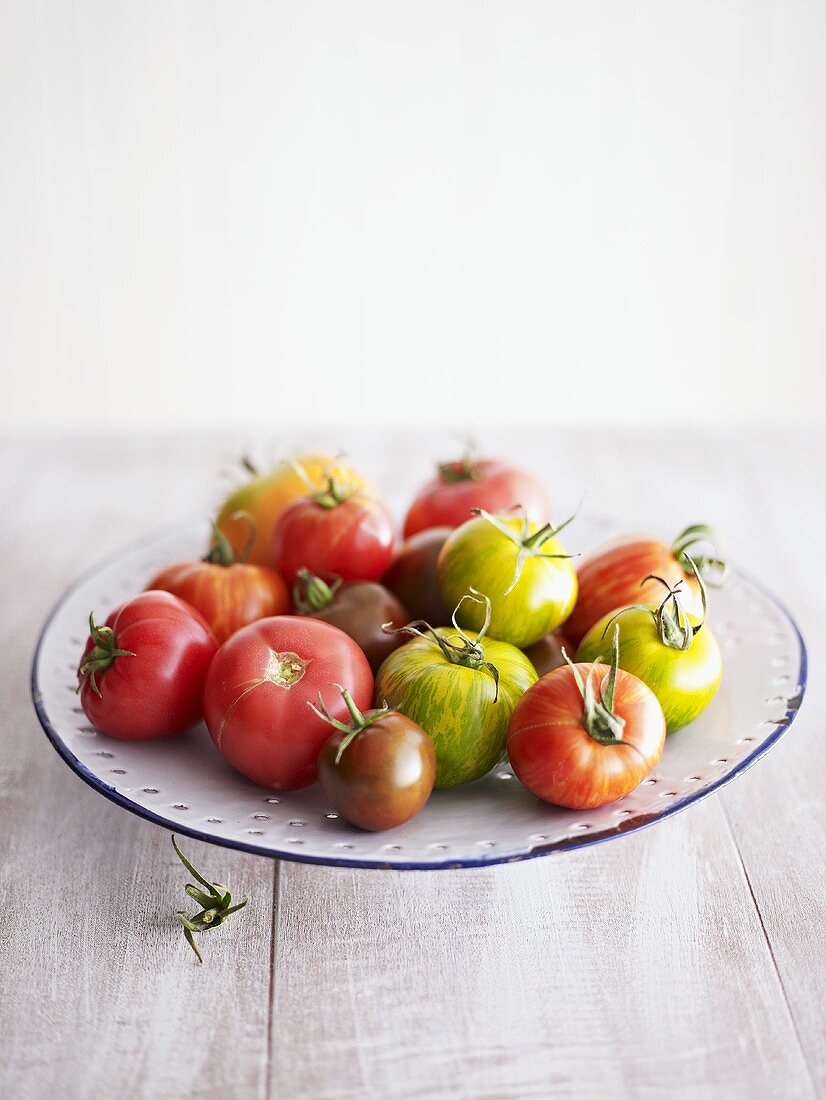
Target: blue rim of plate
x,y
629,825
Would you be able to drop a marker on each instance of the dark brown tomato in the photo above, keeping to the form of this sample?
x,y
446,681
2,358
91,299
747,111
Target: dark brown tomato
x,y
383,777
412,576
359,608
546,654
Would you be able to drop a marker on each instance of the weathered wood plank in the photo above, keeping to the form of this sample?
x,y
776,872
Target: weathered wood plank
x,y
101,996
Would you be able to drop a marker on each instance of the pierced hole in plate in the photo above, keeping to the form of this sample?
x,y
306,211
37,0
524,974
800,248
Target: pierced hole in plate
x,y
744,740
151,790
721,760
215,820
118,771
649,782
261,817
693,778
783,678
180,806
332,816
272,801
581,827
778,662
668,794
487,843
438,847
104,753
297,824
623,813
504,775
347,846
392,847
255,832
537,838
294,840
774,700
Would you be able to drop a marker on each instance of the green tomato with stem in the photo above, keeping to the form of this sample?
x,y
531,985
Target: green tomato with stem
x,y
521,566
461,688
671,651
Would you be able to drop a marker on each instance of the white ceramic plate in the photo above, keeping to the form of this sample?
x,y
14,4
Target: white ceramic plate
x,y
185,785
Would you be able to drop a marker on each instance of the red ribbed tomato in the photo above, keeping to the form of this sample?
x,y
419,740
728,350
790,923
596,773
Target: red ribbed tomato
x,y
585,735
142,674
613,575
447,499
258,688
229,594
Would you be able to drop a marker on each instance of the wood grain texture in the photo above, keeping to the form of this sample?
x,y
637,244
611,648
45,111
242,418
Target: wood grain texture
x,y
688,959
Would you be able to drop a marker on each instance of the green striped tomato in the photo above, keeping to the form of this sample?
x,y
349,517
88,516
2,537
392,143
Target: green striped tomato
x,y
454,703
684,680
485,553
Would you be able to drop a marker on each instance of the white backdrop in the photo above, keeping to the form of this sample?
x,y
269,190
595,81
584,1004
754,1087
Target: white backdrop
x,y
258,213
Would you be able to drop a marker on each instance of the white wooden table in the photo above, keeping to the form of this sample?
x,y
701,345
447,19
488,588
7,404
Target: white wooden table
x,y
688,959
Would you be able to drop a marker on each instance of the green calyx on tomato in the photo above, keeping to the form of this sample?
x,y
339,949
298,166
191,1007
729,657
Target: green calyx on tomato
x,y
101,656
465,651
529,543
465,469
311,593
674,627
598,717
712,566
359,722
221,552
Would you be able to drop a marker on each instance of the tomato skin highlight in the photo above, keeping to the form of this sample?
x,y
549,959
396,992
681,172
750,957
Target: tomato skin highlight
x,y
447,499
266,496
158,691
612,576
258,687
684,681
385,775
228,596
556,758
477,555
354,539
412,576
455,704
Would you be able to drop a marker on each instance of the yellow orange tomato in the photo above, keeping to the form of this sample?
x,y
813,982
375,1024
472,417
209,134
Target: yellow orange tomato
x,y
265,497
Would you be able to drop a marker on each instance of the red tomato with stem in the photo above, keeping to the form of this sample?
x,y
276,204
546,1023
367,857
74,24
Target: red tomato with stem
x,y
228,593
611,576
585,735
448,499
142,674
340,531
258,688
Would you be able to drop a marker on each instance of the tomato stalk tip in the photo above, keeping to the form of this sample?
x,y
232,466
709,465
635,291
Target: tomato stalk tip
x,y
215,901
102,655
598,717
360,722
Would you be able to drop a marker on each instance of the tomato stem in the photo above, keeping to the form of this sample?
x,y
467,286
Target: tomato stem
x,y
102,655
674,627
215,901
311,593
360,722
598,717
530,543
465,469
221,551
712,566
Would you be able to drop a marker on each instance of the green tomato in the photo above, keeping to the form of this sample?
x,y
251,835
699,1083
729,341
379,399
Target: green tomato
x,y
487,554
684,680
456,704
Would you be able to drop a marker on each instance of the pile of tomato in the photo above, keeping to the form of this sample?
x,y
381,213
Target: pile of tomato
x,y
317,649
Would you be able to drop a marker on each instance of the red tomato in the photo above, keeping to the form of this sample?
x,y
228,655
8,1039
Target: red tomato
x,y
569,749
612,576
143,673
348,534
258,688
228,594
447,500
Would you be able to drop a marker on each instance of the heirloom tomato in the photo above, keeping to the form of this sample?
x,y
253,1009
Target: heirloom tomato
x,y
459,487
228,593
412,576
610,576
522,568
265,496
459,690
334,531
585,735
672,651
548,653
257,690
142,674
378,769
359,608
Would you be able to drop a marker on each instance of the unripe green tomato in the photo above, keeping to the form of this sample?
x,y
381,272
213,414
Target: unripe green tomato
x,y
685,681
478,555
454,704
